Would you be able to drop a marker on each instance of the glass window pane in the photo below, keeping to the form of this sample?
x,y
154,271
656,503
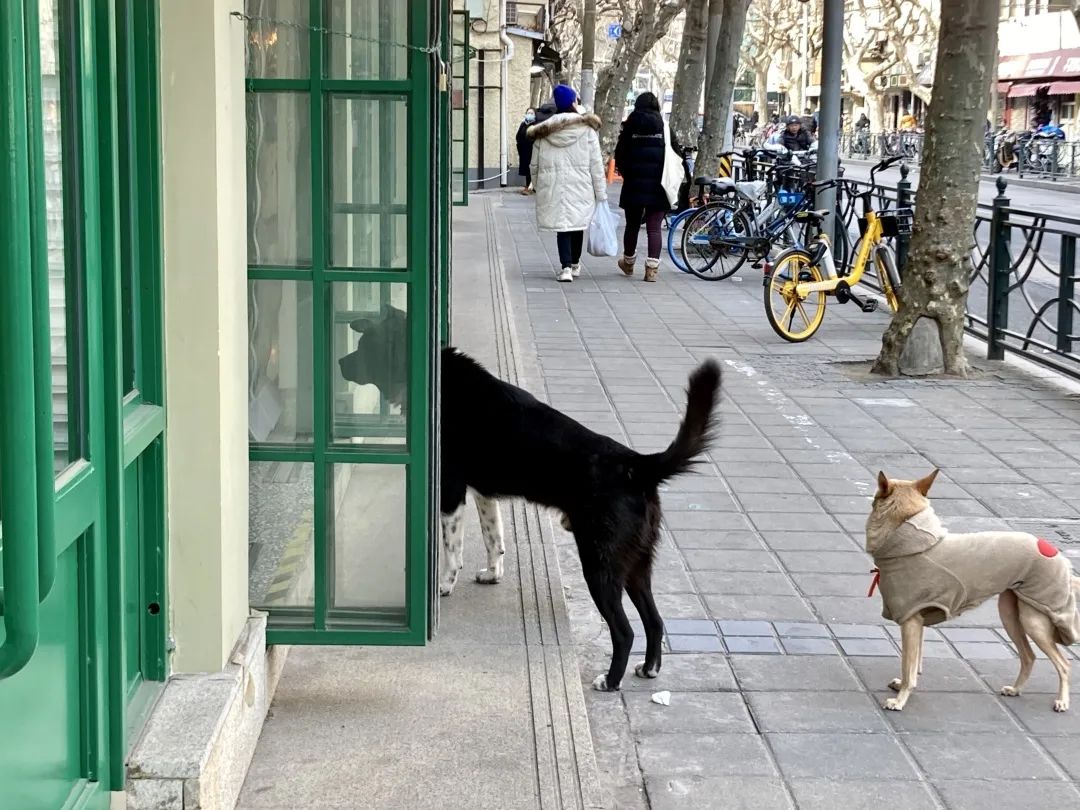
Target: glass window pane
x,y
369,537
281,510
369,181
366,39
369,371
278,39
279,179
280,401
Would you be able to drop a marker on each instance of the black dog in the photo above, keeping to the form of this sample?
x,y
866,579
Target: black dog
x,y
500,441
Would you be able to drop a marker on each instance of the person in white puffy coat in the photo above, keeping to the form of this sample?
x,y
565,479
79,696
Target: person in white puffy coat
x,y
568,175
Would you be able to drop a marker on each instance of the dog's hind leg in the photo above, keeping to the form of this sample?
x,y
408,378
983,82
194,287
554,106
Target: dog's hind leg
x,y
606,593
491,527
453,549
639,588
1038,625
911,636
1009,612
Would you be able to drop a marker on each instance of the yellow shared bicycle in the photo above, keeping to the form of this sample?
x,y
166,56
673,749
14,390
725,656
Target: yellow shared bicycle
x,y
800,280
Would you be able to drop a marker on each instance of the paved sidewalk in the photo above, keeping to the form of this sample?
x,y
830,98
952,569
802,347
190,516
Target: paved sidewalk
x,y
777,660
489,715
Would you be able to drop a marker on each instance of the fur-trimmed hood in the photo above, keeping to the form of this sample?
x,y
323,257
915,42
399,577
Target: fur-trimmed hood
x,y
563,129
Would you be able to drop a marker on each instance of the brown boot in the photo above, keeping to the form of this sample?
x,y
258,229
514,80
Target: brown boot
x,y
626,264
652,267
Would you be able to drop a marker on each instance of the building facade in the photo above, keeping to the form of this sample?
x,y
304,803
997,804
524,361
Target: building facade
x,y
204,207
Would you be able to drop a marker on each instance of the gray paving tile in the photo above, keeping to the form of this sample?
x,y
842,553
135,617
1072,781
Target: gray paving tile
x,y
746,628
801,629
787,521
759,645
996,673
779,608
976,794
677,754
970,634
809,646
695,644
978,756
735,540
686,672
868,646
717,793
747,583
954,712
832,584
1035,713
858,631
972,650
1065,752
830,794
831,562
706,521
938,675
840,756
847,609
689,713
792,674
729,560
834,540
825,712
696,627
779,502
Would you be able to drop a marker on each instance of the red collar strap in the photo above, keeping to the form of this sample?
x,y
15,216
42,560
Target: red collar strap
x,y
874,582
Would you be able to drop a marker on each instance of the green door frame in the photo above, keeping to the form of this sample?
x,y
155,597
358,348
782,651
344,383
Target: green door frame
x,y
460,54
321,623
80,511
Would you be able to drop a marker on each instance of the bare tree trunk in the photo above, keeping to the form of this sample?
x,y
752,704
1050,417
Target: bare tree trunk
x,y
718,93
686,97
613,82
875,110
939,261
761,91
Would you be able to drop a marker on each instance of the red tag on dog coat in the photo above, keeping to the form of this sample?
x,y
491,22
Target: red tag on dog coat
x,y
874,582
1047,549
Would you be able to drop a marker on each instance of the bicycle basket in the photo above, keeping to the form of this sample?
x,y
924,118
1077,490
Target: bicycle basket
x,y
897,222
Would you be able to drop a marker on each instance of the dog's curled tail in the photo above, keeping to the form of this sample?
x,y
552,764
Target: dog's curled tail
x,y
697,426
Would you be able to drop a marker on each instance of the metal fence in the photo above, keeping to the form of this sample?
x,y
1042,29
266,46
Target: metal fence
x,y
1023,296
1041,158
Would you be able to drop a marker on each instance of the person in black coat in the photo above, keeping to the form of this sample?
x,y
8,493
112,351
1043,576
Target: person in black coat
x,y
639,157
525,149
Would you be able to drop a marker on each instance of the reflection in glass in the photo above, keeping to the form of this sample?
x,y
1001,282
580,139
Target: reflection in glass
x,y
369,181
279,179
281,508
378,28
280,404
277,40
369,537
369,370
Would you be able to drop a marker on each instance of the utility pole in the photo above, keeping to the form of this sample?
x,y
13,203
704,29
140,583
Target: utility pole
x,y
832,56
588,54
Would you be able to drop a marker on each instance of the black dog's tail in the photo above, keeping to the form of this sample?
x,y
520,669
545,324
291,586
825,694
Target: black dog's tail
x,y
696,429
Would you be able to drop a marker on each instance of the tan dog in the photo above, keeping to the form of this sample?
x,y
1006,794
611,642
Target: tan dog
x,y
929,575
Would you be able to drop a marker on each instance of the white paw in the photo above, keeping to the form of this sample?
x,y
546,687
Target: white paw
x,y
893,705
1010,691
894,684
641,672
446,587
1061,705
485,576
600,684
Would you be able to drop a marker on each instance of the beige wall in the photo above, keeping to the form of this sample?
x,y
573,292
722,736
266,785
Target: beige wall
x,y
205,243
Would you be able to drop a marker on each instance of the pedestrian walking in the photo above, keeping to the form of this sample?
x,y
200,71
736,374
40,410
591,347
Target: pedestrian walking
x,y
525,149
568,175
639,157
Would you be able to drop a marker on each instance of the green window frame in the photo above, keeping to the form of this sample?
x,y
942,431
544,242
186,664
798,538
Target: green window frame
x,y
407,440
460,54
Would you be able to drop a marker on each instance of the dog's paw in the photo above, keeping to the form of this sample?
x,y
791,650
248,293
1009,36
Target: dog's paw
x,y
564,521
485,576
1010,691
1061,705
600,684
893,705
894,684
642,672
446,587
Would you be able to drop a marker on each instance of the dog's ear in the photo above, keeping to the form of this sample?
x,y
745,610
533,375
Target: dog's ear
x,y
361,325
923,484
883,487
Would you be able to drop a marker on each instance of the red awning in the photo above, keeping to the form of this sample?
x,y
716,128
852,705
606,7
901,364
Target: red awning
x,y
1002,88
1021,90
1064,88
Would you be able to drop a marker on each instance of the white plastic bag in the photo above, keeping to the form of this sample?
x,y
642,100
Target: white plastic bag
x,y
603,238
672,175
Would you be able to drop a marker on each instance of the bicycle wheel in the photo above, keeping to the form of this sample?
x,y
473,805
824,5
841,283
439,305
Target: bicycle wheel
x,y
674,238
888,275
792,317
703,256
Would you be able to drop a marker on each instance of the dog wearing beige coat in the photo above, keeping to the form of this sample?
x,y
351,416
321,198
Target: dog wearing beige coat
x,y
928,575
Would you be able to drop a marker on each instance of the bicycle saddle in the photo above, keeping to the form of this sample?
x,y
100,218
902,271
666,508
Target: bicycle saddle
x,y
752,189
817,217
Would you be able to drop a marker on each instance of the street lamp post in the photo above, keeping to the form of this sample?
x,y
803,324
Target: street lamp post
x,y
588,54
832,55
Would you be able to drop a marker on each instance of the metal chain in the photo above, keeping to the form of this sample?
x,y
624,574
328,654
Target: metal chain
x,y
247,18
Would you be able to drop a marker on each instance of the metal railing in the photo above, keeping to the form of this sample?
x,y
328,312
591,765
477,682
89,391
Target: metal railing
x,y
1042,158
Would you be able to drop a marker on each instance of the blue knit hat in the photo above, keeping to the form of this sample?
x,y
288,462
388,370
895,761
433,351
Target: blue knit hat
x,y
565,98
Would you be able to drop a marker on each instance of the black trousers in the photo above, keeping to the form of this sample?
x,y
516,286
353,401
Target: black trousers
x,y
570,243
